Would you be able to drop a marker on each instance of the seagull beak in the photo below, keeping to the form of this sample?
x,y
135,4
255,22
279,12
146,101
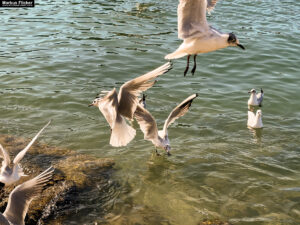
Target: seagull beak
x,y
241,46
90,105
249,92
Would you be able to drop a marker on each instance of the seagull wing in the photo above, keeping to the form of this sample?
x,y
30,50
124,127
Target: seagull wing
x,y
5,155
211,5
3,220
109,106
178,111
129,92
192,18
22,195
251,118
260,97
21,154
147,123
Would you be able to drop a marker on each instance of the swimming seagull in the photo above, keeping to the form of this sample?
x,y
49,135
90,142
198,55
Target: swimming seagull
x,y
20,198
115,107
9,174
148,125
255,120
197,35
256,99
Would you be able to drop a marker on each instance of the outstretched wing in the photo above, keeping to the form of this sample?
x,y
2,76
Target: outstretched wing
x,y
192,18
5,156
109,106
21,154
147,123
179,111
22,195
129,92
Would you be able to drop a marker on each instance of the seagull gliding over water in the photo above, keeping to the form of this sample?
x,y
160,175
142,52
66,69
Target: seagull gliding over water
x,y
197,35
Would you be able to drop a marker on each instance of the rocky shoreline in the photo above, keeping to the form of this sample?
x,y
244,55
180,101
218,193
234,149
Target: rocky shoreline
x,y
76,177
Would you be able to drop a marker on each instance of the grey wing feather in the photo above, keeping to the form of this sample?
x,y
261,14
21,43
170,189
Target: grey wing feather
x,y
147,123
179,111
21,154
192,18
260,97
129,92
22,195
3,220
109,107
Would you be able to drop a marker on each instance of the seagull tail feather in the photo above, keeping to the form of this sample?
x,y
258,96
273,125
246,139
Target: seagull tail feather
x,y
121,133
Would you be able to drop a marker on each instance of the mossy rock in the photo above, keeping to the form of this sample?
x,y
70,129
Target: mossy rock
x,y
75,176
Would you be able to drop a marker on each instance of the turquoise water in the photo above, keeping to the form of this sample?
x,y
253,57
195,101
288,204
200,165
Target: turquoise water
x,y
56,57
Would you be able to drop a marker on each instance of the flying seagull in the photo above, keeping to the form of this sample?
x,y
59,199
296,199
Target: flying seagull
x,y
255,99
255,120
20,198
10,173
148,125
197,35
115,107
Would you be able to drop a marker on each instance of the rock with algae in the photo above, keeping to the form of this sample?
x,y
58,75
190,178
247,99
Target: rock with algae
x,y
76,178
213,222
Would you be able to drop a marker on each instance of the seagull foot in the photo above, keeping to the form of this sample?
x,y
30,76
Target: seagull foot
x,y
187,65
193,70
185,71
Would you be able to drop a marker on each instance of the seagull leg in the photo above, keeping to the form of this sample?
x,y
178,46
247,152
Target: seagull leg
x,y
187,64
195,65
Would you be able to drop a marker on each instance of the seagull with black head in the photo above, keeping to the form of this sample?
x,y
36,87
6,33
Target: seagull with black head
x,y
197,35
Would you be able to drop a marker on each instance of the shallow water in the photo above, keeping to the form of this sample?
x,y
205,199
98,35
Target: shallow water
x,y
56,57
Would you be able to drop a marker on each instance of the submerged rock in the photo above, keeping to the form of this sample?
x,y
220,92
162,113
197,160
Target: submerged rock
x,y
78,180
213,222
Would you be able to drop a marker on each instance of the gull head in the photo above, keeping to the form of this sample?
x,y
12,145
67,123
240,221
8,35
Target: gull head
x,y
252,91
95,102
168,148
233,41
